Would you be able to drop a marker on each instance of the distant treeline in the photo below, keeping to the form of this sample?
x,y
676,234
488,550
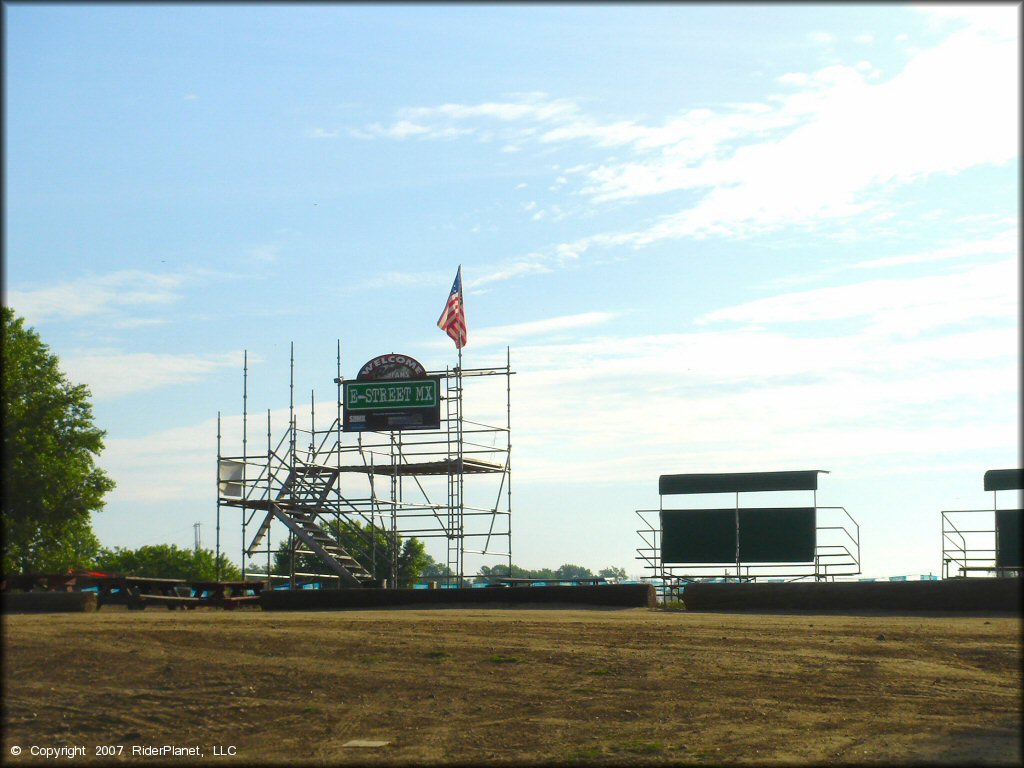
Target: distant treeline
x,y
565,572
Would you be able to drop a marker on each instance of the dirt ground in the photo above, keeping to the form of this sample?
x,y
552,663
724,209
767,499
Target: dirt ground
x,y
518,686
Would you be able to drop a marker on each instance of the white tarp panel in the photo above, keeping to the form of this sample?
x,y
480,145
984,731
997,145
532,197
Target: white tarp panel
x,y
230,475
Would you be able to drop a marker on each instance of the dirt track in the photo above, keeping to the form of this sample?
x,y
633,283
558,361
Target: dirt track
x,y
478,686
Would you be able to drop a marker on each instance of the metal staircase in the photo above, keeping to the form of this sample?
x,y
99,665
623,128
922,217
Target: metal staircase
x,y
315,540
298,504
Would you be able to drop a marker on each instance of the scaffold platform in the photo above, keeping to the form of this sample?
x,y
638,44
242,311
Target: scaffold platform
x,y
425,468
350,496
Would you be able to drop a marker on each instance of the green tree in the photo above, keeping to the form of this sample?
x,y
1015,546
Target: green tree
x,y
166,561
566,572
488,572
51,484
570,572
435,571
493,573
371,547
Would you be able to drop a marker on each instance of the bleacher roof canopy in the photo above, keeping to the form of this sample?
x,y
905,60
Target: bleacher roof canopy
x,y
739,482
1004,480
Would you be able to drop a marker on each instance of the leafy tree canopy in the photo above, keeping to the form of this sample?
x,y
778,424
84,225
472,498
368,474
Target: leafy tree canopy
x,y
166,561
568,572
564,572
51,484
435,571
502,571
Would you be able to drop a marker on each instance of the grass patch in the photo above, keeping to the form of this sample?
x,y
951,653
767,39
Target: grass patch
x,y
584,755
640,747
600,672
500,658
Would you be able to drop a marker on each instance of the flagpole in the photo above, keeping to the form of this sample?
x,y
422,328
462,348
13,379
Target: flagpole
x,y
459,432
453,322
461,513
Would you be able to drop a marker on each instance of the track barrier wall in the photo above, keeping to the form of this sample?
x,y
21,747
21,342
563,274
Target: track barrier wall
x,y
606,595
978,595
49,602
950,595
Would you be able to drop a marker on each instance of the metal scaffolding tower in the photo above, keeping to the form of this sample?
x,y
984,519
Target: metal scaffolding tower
x,y
451,483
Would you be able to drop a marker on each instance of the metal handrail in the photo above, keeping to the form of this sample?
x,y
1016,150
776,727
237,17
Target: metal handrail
x,y
960,552
831,559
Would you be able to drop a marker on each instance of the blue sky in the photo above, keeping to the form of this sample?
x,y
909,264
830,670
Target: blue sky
x,y
719,238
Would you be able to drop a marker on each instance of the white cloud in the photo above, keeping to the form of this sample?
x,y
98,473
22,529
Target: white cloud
x,y
1000,18
531,106
952,108
726,400
1005,243
915,371
267,254
503,334
895,306
914,378
102,294
834,147
322,133
531,264
393,279
606,407
404,128
178,463
795,78
110,373
448,121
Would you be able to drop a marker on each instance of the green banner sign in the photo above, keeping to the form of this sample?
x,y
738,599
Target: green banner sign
x,y
385,395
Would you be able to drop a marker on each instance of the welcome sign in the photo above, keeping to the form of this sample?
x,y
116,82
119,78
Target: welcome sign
x,y
391,367
374,395
392,392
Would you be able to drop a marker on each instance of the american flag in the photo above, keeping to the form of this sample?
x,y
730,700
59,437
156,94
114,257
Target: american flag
x,y
453,320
